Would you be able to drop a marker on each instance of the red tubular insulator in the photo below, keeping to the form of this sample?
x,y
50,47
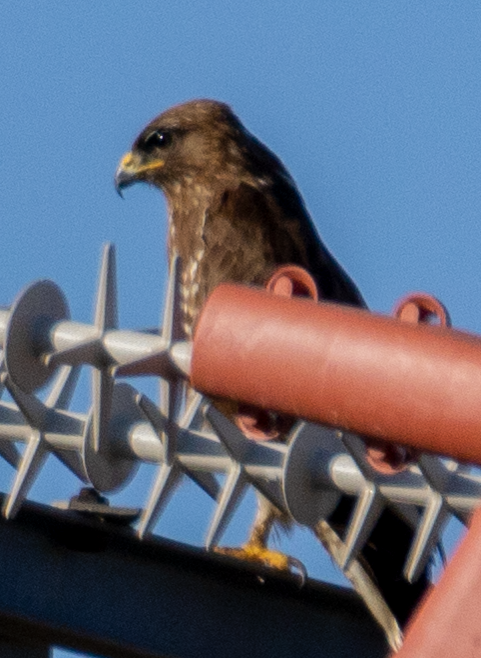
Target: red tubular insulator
x,y
260,424
417,385
416,308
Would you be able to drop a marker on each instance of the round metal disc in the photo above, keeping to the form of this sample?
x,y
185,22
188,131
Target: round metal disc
x,y
307,499
112,468
36,309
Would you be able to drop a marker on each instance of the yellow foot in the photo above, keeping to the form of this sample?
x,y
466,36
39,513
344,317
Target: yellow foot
x,y
252,552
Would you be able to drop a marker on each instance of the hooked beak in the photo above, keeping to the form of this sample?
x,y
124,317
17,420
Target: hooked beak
x,y
131,170
126,173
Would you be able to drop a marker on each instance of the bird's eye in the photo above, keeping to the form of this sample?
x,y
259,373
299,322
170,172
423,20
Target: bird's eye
x,y
159,139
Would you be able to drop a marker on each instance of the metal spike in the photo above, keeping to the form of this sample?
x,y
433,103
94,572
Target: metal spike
x,y
63,389
167,479
232,438
3,373
270,491
7,450
73,461
32,409
427,536
366,514
106,306
155,416
159,422
170,329
206,481
105,319
193,415
167,432
167,408
102,389
87,352
229,499
31,463
172,394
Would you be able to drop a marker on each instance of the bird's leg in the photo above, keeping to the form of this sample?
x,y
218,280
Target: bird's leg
x,y
256,550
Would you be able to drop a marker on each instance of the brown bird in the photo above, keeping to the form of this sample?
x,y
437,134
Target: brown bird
x,y
235,214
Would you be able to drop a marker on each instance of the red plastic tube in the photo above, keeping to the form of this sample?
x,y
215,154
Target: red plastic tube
x,y
416,385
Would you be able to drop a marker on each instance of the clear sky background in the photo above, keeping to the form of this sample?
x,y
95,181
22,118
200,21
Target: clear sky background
x,y
374,107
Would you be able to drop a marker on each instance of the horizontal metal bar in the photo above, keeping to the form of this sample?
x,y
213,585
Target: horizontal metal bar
x,y
94,587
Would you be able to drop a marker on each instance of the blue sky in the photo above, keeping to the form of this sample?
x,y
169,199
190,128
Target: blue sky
x,y
374,107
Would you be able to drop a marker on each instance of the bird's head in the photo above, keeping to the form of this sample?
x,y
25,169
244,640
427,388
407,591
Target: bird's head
x,y
195,140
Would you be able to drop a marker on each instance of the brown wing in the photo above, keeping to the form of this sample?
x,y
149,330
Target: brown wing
x,y
249,232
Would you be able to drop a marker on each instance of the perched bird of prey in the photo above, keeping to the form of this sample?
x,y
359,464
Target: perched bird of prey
x,y
235,215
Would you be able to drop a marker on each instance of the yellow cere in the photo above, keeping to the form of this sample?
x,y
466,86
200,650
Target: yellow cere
x,y
132,163
127,160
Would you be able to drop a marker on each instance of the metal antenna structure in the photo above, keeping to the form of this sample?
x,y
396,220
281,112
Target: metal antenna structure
x,y
185,435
